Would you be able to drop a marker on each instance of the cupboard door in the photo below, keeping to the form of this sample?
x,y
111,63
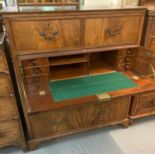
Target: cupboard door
x,y
112,30
46,34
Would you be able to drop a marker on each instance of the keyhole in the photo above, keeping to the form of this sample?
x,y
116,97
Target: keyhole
x,y
48,25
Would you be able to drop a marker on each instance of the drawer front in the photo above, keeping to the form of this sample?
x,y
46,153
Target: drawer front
x,y
9,133
37,71
46,34
36,84
35,63
3,65
112,30
7,108
126,53
79,118
5,84
145,103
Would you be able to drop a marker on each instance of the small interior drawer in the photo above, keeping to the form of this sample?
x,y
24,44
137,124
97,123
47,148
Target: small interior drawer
x,y
35,63
37,71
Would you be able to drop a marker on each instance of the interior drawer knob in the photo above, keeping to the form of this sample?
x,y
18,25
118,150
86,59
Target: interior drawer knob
x,y
153,102
127,59
129,52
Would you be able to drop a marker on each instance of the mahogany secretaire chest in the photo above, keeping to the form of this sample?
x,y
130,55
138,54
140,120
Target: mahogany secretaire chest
x,y
87,44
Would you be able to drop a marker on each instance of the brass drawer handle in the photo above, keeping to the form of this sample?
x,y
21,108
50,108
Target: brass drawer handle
x,y
113,32
58,122
49,37
5,72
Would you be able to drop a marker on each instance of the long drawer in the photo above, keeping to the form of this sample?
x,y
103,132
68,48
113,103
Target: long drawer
x,y
112,30
77,118
92,29
8,108
9,133
46,34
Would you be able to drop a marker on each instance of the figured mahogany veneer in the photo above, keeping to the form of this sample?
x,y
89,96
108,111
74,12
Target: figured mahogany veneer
x,y
76,30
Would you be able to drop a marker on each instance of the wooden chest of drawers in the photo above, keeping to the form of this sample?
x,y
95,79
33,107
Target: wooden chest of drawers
x,y
11,131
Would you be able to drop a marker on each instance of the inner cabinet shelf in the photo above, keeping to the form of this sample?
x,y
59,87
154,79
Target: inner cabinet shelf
x,y
68,71
72,59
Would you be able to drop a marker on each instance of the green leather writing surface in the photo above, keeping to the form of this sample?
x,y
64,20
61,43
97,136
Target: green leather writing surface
x,y
90,85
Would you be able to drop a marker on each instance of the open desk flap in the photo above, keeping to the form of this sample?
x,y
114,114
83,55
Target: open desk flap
x,y
90,85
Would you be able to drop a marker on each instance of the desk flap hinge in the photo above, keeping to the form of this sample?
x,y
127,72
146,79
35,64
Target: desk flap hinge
x,y
104,97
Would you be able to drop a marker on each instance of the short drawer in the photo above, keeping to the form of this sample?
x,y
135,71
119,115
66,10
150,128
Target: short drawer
x,y
35,63
8,108
72,119
5,84
125,60
3,65
126,53
36,84
124,66
41,34
36,71
9,133
113,30
143,103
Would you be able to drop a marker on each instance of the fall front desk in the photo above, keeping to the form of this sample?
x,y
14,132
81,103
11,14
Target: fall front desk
x,y
80,69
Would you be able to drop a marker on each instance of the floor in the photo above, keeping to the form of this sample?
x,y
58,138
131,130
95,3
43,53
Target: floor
x,y
138,138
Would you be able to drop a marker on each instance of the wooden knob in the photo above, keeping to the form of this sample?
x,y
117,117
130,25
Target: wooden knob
x,y
37,71
127,59
126,67
129,52
34,62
